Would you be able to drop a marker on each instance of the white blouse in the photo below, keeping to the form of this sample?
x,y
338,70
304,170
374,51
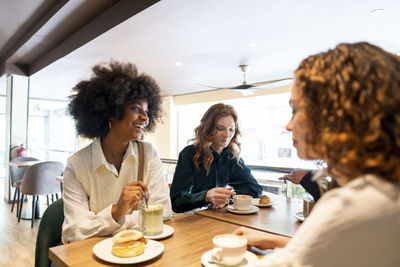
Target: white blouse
x,y
356,225
92,186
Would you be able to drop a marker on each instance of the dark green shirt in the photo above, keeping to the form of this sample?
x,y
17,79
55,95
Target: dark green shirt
x,y
190,185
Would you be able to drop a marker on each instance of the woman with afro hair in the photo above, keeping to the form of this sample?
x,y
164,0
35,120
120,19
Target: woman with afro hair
x,y
115,107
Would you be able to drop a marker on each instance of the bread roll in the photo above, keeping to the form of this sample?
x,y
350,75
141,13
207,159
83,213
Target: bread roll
x,y
264,200
128,243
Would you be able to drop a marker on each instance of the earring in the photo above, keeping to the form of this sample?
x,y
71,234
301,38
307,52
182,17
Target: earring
x,y
109,125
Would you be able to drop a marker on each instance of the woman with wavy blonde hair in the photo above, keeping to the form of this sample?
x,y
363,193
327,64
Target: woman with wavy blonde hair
x,y
346,112
211,163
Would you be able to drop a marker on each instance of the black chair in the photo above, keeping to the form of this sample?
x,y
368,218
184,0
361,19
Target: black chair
x,y
16,174
49,233
40,179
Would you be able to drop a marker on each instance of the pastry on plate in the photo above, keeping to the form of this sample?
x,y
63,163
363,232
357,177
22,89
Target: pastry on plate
x,y
264,200
128,243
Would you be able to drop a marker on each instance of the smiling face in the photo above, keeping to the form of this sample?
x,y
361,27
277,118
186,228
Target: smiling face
x,y
223,133
133,124
298,126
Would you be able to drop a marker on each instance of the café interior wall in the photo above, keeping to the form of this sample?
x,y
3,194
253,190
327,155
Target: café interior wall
x,y
164,138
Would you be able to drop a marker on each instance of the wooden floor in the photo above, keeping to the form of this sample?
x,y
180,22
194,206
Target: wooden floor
x,y
17,240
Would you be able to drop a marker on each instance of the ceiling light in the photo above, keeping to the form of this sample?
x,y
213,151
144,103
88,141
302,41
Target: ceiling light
x,y
178,64
252,44
245,92
376,12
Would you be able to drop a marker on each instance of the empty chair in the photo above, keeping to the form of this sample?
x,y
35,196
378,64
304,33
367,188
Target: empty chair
x,y
16,174
40,179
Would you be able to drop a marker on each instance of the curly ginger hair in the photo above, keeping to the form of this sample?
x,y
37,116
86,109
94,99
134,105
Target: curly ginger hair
x,y
352,102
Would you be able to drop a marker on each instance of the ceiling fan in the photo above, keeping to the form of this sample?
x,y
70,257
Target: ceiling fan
x,y
253,86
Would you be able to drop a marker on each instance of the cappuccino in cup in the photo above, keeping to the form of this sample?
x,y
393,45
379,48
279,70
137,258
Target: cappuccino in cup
x,y
242,202
151,219
229,249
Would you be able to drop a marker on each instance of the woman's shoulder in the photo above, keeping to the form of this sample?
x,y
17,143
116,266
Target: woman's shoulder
x,y
375,190
82,154
364,186
148,147
227,153
188,150
81,159
364,196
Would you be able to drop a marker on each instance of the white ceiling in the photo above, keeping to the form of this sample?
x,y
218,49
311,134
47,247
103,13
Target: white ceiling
x,y
211,38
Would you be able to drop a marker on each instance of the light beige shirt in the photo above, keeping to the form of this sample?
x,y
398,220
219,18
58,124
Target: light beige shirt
x,y
92,186
355,225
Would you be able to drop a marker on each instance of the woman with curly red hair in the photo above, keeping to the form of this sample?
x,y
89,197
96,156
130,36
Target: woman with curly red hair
x,y
346,112
211,163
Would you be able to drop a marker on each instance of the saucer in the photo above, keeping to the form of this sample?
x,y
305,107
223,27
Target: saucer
x,y
299,216
167,231
251,210
250,259
256,202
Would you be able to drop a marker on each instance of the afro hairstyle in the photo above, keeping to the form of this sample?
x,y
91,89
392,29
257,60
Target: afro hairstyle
x,y
104,96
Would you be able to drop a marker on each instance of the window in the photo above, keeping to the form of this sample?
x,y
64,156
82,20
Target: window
x,y
265,141
51,132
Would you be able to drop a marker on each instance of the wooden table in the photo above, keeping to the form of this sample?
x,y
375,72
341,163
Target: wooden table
x,y
276,219
191,239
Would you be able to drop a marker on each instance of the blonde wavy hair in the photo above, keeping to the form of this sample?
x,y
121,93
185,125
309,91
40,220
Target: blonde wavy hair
x,y
204,135
352,102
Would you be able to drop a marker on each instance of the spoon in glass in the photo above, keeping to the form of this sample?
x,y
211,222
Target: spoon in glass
x,y
146,198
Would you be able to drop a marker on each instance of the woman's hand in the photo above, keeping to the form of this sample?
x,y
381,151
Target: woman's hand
x,y
262,240
295,176
131,194
219,196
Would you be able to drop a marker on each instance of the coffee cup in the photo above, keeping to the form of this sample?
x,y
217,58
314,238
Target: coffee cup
x,y
229,249
151,219
242,202
308,204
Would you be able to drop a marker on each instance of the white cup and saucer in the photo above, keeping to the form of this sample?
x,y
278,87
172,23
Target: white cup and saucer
x,y
241,204
229,250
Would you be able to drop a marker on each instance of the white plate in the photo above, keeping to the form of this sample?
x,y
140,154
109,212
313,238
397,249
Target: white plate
x,y
250,259
167,231
299,216
256,202
253,209
103,251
